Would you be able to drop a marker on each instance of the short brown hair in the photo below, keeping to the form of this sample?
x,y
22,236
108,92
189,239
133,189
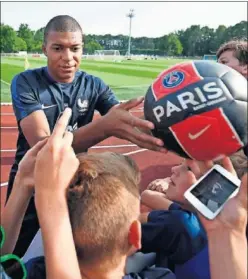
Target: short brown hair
x,y
103,201
239,47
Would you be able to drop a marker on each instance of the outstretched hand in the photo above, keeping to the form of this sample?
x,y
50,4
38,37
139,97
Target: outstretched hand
x,y
234,214
119,122
56,162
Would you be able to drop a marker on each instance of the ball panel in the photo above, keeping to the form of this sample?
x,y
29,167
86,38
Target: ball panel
x,y
174,79
196,98
211,129
236,84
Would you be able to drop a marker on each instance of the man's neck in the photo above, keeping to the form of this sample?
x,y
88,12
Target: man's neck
x,y
53,78
100,272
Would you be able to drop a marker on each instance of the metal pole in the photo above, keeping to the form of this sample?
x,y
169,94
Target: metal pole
x,y
130,15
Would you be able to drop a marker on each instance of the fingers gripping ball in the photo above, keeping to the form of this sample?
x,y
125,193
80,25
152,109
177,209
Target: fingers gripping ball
x,y
199,109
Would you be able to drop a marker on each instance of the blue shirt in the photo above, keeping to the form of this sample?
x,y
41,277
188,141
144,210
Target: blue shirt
x,y
152,273
176,233
35,89
36,270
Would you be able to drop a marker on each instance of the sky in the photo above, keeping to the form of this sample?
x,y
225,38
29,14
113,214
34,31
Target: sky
x,y
152,19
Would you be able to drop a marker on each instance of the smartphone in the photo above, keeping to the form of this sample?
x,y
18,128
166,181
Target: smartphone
x,y
210,193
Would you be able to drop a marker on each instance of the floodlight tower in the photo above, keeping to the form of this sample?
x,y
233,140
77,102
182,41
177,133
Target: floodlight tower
x,y
130,15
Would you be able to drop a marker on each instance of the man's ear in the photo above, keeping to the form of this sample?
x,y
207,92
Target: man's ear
x,y
44,49
134,236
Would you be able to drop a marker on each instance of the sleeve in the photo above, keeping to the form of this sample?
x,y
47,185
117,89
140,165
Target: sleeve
x,y
106,98
175,206
24,98
174,233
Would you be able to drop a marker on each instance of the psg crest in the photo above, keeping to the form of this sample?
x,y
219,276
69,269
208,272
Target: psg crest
x,y
173,79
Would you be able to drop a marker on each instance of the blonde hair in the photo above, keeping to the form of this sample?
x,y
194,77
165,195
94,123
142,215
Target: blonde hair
x,y
103,201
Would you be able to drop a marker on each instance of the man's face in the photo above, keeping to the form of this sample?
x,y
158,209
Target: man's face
x,y
64,52
228,58
181,179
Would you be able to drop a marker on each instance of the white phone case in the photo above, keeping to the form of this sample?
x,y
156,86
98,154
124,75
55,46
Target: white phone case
x,y
202,208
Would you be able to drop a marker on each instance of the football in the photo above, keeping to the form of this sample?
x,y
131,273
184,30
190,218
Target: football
x,y
199,109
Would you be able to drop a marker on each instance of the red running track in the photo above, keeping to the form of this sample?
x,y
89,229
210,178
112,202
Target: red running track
x,y
152,164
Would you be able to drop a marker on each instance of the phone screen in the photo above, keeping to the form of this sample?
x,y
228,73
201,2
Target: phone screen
x,y
214,190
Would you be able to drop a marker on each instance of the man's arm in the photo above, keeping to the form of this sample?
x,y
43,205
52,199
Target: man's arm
x,y
120,123
28,110
35,127
117,122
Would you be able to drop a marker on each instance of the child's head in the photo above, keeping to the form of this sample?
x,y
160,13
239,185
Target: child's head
x,y
103,201
235,55
182,177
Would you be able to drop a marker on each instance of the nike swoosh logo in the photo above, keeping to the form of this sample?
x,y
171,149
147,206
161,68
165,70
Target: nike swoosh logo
x,y
197,135
46,107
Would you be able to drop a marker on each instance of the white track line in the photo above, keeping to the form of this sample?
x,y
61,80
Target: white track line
x,y
128,153
5,82
9,127
135,151
93,147
6,113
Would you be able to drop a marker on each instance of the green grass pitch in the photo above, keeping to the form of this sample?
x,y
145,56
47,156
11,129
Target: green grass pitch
x,y
128,79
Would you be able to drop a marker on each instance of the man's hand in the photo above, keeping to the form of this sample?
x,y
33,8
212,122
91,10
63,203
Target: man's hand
x,y
56,163
25,174
119,122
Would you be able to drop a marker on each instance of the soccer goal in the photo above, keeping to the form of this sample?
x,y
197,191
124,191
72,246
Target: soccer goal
x,y
111,55
210,57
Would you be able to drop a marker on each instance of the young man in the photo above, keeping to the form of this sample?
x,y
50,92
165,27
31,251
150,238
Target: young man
x,y
235,55
40,95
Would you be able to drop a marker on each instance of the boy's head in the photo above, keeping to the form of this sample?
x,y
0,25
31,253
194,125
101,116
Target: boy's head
x,y
235,55
182,177
103,202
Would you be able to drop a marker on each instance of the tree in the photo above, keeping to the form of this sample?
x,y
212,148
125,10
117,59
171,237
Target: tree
x,y
27,35
174,45
91,46
20,44
39,35
8,38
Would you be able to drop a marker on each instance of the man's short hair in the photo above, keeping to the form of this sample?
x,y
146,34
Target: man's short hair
x,y
103,201
62,23
239,48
